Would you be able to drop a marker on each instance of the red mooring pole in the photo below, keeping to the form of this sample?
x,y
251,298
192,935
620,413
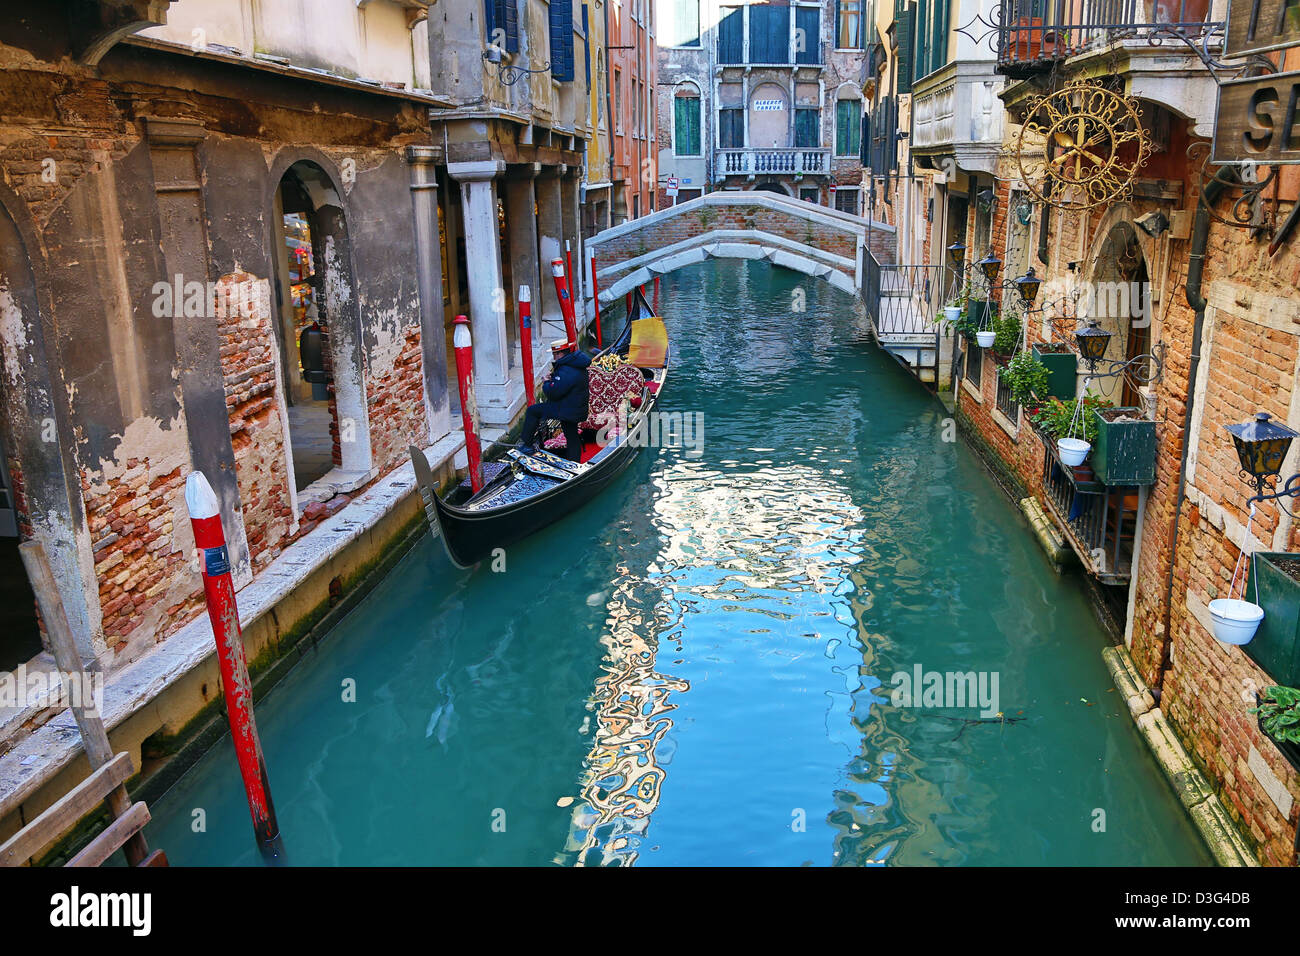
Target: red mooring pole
x,y
568,267
566,301
656,302
223,612
460,340
595,302
526,340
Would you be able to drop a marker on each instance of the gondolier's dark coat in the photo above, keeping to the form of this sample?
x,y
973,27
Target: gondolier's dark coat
x,y
566,387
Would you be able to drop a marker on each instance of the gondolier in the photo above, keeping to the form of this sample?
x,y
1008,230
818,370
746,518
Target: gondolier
x,y
537,488
566,399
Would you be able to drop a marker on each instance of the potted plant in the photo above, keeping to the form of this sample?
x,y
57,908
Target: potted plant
x,y
1007,333
1126,447
1062,365
985,318
952,312
1278,713
1274,584
1027,378
1059,421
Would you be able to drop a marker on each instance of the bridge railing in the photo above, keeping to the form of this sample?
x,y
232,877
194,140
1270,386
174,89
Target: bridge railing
x,y
736,162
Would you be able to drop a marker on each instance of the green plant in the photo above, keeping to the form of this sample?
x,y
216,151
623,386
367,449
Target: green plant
x,y
1055,415
1279,713
1027,378
1007,334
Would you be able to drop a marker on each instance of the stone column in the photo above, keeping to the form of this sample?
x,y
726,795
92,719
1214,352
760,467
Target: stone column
x,y
428,264
499,398
550,242
525,261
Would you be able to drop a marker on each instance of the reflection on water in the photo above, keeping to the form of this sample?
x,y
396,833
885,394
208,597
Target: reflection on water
x,y
771,542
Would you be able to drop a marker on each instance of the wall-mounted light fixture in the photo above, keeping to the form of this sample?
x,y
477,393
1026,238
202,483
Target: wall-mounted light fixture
x,y
507,74
1153,223
1261,448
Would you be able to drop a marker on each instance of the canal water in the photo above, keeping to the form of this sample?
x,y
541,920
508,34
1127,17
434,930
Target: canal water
x,y
698,668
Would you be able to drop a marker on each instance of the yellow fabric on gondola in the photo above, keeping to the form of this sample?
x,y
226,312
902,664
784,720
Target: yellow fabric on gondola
x,y
649,347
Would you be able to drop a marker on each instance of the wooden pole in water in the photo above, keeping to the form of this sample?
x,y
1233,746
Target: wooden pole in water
x,y
656,302
223,612
526,340
595,301
463,346
90,721
566,301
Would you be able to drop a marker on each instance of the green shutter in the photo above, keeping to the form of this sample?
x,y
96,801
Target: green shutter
x,y
904,52
687,120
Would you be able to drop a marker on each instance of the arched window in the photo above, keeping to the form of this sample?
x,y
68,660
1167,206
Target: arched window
x,y
686,121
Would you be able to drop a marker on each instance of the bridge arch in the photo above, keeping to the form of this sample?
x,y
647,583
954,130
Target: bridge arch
x,y
757,224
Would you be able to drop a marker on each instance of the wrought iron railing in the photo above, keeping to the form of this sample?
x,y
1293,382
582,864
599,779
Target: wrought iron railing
x,y
742,162
1033,34
1100,520
1005,402
901,299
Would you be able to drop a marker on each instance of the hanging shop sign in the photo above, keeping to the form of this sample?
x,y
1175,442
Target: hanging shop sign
x,y
1081,146
1257,120
1258,25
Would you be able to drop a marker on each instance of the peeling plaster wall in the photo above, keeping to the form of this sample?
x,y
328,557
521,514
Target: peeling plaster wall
x,y
114,373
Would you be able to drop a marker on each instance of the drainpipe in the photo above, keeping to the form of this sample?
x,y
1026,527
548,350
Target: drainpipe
x,y
1197,300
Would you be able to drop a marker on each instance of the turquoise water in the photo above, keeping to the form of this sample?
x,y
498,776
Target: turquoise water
x,y
697,668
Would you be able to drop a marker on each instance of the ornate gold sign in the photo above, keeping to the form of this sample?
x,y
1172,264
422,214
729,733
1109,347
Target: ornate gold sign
x,y
1081,146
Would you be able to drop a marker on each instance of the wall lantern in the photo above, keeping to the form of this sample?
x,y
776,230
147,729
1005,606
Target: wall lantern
x,y
986,199
990,265
957,254
1261,448
1092,343
1027,285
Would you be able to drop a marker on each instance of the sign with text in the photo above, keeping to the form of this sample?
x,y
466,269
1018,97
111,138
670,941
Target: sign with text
x,y
769,106
1257,25
1257,120
670,188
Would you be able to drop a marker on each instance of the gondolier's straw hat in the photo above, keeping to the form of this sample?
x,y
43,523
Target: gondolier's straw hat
x,y
559,344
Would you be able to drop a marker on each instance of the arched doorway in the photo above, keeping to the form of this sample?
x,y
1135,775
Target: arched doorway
x,y
1121,293
772,188
317,327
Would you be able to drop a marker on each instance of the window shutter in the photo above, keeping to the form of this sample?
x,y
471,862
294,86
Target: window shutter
x,y
503,16
904,54
586,44
731,36
808,24
562,40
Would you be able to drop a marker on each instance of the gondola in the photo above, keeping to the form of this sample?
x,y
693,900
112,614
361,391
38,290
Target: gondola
x,y
532,490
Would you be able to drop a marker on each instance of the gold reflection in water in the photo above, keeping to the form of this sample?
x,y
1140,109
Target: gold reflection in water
x,y
763,537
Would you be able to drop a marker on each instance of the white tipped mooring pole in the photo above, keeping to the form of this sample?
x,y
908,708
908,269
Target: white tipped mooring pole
x,y
223,612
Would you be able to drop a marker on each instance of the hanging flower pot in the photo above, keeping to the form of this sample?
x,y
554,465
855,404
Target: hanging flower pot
x,y
1234,621
1072,451
985,339
952,314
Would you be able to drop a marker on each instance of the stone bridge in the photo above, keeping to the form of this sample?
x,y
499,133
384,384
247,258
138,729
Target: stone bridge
x,y
787,232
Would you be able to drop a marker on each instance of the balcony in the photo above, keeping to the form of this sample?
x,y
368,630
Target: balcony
x,y
1099,520
900,303
1035,34
773,162
958,113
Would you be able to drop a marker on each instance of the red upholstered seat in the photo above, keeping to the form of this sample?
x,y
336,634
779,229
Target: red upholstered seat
x,y
605,390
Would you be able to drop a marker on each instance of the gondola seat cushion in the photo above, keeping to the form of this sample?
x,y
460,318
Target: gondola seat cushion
x,y
606,389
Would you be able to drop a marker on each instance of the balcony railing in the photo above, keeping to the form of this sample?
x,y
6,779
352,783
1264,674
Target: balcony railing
x,y
900,298
1034,34
1100,520
747,162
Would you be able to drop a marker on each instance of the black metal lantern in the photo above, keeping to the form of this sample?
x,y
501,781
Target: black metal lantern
x,y
990,265
1092,343
1027,285
1261,448
957,254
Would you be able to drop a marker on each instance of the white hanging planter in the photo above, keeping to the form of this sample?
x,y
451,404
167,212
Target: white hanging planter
x,y
951,313
1234,621
1073,451
985,339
